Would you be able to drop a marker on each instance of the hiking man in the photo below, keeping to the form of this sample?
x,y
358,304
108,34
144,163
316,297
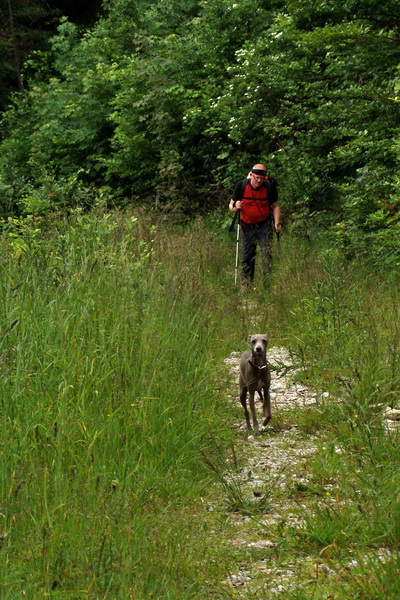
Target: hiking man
x,y
257,200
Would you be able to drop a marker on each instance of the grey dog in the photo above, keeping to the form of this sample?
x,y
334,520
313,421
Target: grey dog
x,y
255,377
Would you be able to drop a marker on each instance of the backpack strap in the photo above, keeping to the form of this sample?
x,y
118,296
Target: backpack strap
x,y
244,184
267,183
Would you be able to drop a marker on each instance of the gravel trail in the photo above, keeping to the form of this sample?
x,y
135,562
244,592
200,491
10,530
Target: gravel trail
x,y
273,467
273,462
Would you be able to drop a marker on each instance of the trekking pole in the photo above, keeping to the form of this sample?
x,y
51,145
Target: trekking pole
x,y
237,245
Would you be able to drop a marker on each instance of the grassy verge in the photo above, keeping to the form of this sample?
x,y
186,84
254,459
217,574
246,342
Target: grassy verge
x,y
110,333
347,341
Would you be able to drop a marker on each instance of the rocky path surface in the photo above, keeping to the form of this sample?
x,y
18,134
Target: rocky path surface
x,y
273,464
273,468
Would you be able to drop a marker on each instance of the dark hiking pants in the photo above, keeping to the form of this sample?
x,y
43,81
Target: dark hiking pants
x,y
251,234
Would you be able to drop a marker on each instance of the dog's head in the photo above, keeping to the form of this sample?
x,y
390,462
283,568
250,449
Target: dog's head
x,y
259,343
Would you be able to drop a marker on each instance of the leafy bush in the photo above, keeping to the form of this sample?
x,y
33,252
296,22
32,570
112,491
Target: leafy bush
x,y
172,111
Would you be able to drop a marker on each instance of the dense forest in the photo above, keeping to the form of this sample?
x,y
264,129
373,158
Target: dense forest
x,y
168,103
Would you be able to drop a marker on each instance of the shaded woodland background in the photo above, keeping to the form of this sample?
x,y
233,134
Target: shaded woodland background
x,y
168,103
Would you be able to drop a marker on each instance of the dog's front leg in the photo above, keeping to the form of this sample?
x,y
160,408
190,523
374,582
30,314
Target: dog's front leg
x,y
243,396
253,412
266,406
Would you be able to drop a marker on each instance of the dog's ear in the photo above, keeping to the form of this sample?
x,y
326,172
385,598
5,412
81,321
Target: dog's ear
x,y
249,339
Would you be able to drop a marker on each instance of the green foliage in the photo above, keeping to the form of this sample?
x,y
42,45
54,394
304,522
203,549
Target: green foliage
x,y
171,103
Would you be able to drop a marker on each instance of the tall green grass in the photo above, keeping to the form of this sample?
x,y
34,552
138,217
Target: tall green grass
x,y
113,390
343,331
110,334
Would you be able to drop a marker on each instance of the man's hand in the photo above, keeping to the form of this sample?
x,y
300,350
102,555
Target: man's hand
x,y
235,206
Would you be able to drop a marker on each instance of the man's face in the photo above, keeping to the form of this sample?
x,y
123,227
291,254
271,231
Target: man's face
x,y
256,180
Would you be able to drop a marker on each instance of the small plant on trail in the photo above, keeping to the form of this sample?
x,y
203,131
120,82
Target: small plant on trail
x,y
232,479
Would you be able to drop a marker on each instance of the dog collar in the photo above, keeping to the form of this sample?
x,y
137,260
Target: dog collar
x,y
257,366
